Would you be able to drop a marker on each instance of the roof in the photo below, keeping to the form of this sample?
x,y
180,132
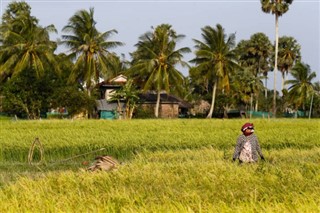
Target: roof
x,y
165,98
115,82
119,79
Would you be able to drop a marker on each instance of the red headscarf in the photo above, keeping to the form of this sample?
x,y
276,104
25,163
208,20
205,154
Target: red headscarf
x,y
247,126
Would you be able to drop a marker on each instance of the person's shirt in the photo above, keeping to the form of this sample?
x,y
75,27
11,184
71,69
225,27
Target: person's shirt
x,y
255,147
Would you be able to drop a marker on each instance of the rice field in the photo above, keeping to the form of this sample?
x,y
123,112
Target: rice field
x,y
182,165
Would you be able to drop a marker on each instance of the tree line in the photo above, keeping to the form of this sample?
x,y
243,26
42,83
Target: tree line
x,y
224,74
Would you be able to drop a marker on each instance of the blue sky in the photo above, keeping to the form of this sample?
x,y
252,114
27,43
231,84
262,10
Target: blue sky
x,y
133,18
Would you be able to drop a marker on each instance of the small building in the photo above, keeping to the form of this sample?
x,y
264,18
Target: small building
x,y
107,109
170,105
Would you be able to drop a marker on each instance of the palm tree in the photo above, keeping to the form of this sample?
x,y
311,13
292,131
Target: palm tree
x,y
25,44
215,58
89,48
315,99
154,61
118,65
289,54
301,86
255,54
278,8
245,85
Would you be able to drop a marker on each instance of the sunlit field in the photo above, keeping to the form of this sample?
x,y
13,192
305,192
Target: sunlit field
x,y
167,166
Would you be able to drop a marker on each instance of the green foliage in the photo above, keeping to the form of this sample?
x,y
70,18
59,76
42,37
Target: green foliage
x,y
289,53
25,44
301,87
26,95
73,99
144,112
89,48
275,7
168,165
154,64
215,60
255,53
129,94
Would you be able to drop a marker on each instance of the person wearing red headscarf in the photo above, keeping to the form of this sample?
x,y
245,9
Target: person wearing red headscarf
x,y
247,148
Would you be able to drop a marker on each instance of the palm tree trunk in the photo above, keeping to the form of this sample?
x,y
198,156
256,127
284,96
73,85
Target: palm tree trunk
x,y
310,111
156,112
213,100
87,110
283,79
266,89
257,102
275,68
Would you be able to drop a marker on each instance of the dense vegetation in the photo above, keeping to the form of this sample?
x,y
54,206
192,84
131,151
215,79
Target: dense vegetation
x,y
168,165
35,79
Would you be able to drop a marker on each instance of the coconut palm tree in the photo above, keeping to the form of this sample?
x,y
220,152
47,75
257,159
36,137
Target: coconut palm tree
x,y
25,44
289,54
215,58
154,62
89,48
278,8
118,65
301,86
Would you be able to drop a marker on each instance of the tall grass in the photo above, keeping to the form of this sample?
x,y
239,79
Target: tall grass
x,y
168,166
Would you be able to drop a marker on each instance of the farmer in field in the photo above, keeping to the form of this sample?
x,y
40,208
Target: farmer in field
x,y
247,148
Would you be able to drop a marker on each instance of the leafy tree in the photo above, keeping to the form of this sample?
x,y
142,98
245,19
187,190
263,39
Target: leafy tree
x,y
69,95
25,44
28,95
301,88
199,81
215,58
255,54
28,65
76,101
245,85
315,106
155,60
278,8
89,48
289,54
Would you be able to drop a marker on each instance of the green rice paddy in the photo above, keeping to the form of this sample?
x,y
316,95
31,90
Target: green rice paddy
x,y
167,166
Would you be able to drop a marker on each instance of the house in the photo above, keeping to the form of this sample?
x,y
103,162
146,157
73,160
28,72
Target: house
x,y
170,105
107,109
110,86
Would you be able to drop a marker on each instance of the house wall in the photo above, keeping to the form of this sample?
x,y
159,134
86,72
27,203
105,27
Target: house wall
x,y
169,110
166,110
109,93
